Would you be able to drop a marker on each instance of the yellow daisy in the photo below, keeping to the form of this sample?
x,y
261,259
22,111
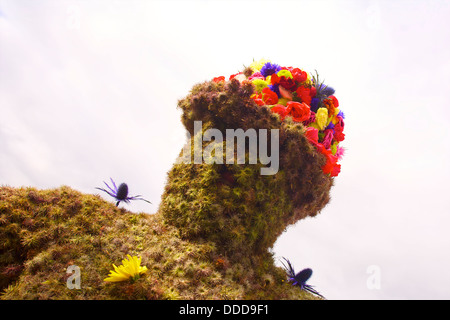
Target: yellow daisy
x,y
130,269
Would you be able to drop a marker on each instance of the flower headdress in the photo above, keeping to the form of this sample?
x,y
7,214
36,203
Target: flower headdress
x,y
292,92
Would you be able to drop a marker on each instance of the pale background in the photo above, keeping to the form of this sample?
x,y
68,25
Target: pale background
x,y
88,91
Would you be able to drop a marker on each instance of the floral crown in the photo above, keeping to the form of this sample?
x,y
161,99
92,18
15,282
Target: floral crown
x,y
292,92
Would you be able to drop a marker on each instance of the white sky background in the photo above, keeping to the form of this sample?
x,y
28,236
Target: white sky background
x,y
88,91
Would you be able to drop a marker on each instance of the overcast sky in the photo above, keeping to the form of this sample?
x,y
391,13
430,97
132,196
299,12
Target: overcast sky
x,y
88,91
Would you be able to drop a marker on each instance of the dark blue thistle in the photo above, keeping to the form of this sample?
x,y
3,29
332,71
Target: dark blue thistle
x,y
322,91
328,91
269,69
120,193
299,279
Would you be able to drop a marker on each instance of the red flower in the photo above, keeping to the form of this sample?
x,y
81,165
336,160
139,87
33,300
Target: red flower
x,y
336,170
331,167
269,97
257,99
299,75
298,111
288,83
312,134
274,79
280,109
219,79
312,118
341,121
338,132
335,101
304,94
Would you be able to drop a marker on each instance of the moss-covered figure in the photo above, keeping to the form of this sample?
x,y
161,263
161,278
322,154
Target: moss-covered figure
x,y
211,236
233,205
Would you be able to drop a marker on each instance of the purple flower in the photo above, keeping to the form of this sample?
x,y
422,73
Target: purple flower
x,y
274,88
314,104
341,114
269,69
330,126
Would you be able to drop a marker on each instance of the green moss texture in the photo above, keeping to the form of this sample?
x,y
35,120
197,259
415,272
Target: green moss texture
x,y
233,205
43,232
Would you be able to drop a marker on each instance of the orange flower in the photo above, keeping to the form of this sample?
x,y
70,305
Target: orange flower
x,y
328,103
298,111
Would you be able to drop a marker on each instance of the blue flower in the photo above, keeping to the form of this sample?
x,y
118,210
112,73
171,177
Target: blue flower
x,y
314,104
330,126
341,114
274,88
269,69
